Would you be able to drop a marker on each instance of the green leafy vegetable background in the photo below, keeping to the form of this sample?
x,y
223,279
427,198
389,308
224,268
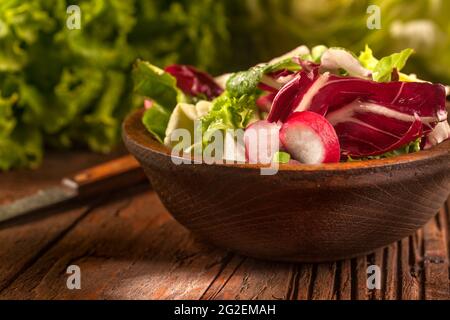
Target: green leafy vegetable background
x,y
62,88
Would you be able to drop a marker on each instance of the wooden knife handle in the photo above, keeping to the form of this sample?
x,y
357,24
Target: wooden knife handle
x,y
113,175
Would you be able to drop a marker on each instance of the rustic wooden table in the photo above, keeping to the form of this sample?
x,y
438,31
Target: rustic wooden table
x,y
128,247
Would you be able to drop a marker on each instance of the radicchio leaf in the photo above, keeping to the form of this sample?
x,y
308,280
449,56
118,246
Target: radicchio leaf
x,y
286,99
194,82
272,83
370,118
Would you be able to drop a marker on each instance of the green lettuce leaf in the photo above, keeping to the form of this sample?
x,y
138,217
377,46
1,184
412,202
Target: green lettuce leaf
x,y
228,112
246,82
19,146
7,120
367,59
317,52
281,157
155,120
155,84
383,69
74,87
22,148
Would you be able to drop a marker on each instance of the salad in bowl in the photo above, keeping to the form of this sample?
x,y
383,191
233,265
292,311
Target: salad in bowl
x,y
342,131
309,106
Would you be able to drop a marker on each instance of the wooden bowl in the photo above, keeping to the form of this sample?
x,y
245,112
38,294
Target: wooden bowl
x,y
307,213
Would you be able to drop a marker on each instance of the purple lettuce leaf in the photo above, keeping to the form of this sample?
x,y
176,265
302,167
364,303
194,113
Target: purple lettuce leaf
x,y
194,82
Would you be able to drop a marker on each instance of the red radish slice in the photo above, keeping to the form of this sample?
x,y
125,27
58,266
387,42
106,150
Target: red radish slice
x,y
310,138
261,141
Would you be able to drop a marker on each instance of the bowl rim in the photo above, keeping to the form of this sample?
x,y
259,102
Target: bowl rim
x,y
135,132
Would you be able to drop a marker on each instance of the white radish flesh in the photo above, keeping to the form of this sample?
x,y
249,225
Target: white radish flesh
x,y
261,141
310,138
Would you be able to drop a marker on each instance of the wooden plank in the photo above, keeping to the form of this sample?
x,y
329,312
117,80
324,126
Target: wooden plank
x,y
23,242
31,283
22,245
257,279
418,268
377,258
436,260
345,280
127,249
391,272
444,224
305,281
409,278
324,286
359,278
223,277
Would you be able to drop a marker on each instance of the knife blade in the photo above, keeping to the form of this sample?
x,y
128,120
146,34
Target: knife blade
x,y
109,176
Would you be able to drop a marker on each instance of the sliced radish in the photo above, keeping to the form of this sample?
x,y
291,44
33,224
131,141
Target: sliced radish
x,y
261,141
310,138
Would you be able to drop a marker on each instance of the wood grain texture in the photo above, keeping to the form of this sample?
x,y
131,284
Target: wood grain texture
x,y
129,247
324,286
255,280
409,275
124,251
305,281
21,245
127,251
345,280
359,278
391,270
303,213
377,258
436,259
